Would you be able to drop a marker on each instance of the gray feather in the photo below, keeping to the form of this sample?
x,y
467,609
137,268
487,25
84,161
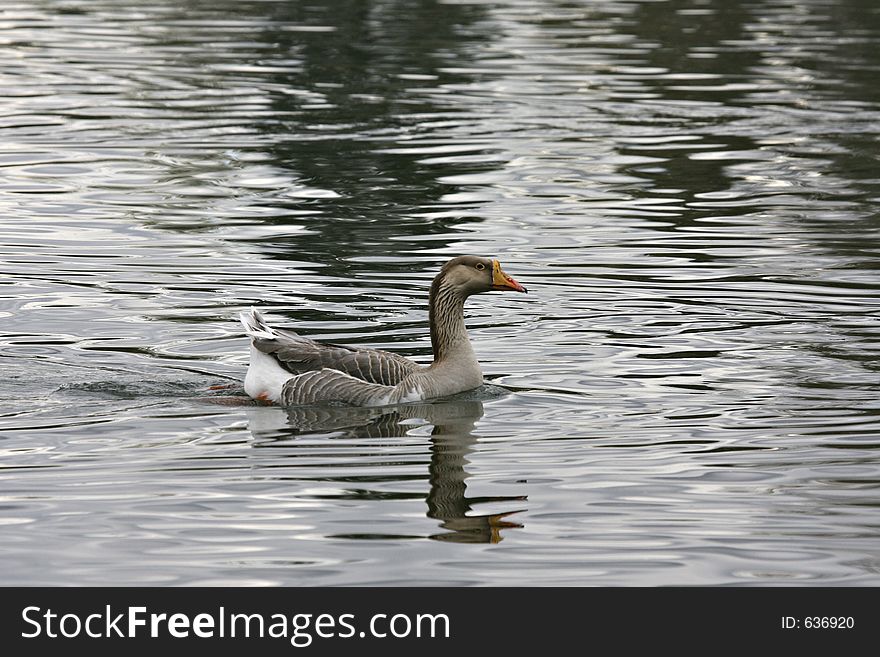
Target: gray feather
x,y
330,385
299,355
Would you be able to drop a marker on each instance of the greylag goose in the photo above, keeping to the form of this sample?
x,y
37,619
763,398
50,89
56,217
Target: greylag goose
x,y
288,369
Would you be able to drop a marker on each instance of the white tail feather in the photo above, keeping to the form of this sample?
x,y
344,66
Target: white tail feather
x,y
255,326
265,378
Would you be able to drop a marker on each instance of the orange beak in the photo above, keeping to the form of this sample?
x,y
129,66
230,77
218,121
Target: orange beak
x,y
501,281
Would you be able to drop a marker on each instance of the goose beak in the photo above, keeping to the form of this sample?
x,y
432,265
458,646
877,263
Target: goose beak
x,y
501,281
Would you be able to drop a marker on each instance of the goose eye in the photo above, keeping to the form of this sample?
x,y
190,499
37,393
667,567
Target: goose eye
x,y
481,266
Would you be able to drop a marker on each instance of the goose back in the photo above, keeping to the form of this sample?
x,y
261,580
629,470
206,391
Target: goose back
x,y
299,355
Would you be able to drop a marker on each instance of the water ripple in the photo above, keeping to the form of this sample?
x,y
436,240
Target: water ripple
x,y
687,395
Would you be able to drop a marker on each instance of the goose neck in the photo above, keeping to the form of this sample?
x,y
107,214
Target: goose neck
x,y
446,317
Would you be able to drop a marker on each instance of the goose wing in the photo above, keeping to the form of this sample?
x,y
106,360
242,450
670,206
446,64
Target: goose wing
x,y
299,355
332,386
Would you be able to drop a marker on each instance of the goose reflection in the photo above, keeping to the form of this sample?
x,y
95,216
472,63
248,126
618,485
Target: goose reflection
x,y
451,442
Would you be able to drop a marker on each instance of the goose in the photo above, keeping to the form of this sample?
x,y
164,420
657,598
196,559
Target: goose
x,y
291,370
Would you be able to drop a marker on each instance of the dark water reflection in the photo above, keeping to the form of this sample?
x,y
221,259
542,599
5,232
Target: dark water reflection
x,y
689,187
452,438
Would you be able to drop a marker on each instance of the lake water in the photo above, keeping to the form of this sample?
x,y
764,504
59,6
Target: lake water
x,y
689,189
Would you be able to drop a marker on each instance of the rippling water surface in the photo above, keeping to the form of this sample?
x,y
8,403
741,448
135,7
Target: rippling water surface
x,y
690,189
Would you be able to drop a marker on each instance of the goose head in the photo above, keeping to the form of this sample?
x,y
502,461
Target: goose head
x,y
467,275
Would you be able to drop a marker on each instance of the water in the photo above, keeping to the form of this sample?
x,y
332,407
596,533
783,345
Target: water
x,y
688,395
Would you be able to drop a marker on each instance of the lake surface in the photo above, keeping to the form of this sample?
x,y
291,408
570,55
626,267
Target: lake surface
x,y
689,189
